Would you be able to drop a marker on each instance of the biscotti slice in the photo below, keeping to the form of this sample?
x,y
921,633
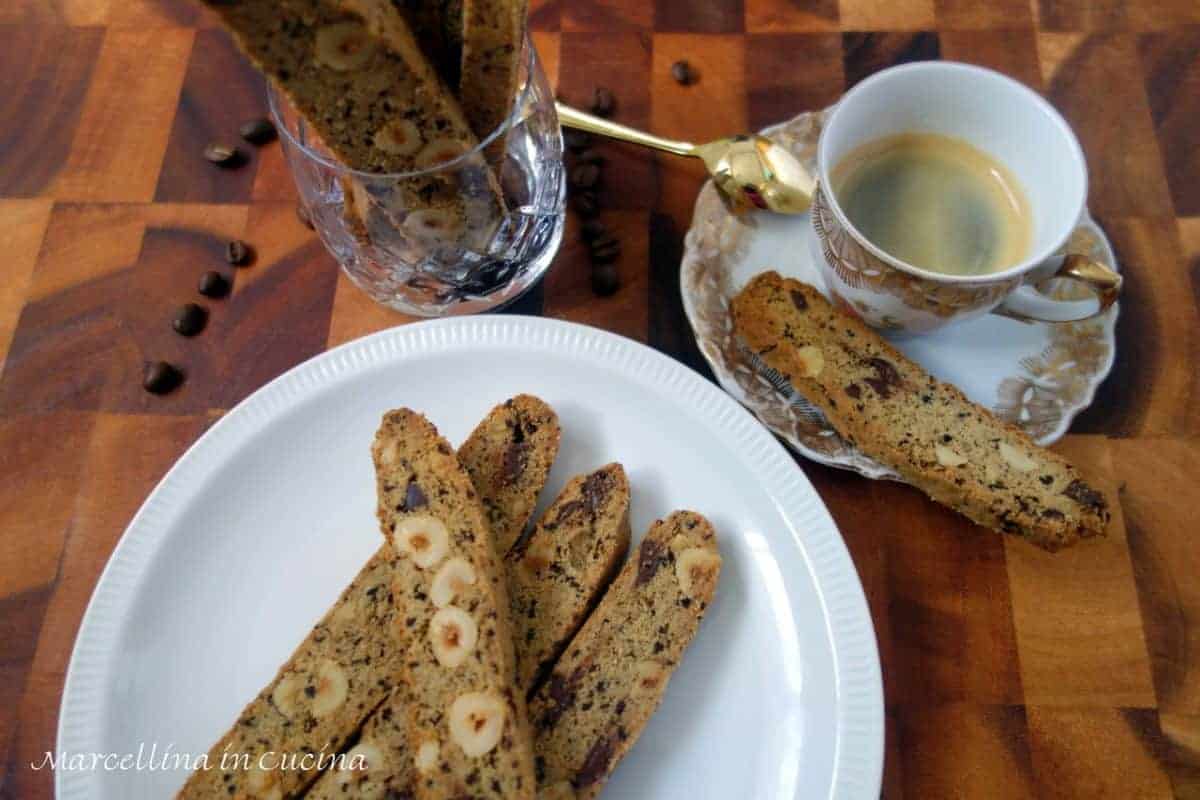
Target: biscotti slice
x,y
354,72
924,429
493,36
437,26
319,698
354,635
556,575
613,675
590,519
465,715
510,454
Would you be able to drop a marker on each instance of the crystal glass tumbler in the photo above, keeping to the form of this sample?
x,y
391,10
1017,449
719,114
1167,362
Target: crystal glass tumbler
x,y
469,232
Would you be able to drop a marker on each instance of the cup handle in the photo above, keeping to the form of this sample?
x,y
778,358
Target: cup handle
x,y
1030,305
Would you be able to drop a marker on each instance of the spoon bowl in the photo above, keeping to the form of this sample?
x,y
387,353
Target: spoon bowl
x,y
750,171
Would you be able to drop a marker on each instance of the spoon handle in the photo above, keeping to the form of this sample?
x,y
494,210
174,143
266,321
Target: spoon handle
x,y
574,118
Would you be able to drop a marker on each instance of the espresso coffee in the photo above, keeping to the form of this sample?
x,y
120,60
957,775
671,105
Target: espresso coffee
x,y
935,202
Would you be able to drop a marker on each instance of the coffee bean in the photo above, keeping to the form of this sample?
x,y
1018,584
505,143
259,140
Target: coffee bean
x,y
237,253
223,155
590,156
586,204
605,280
584,176
603,102
213,284
257,131
160,377
604,250
592,230
576,140
683,73
189,319
303,215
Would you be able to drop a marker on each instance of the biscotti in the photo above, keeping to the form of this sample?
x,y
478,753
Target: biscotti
x,y
556,576
492,40
510,454
924,429
355,636
319,698
354,72
613,675
465,715
593,527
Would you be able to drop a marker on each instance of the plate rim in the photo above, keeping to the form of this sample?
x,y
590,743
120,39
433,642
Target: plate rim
x,y
858,753
877,471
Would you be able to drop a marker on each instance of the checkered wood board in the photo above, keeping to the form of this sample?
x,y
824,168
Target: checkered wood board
x,y
1008,672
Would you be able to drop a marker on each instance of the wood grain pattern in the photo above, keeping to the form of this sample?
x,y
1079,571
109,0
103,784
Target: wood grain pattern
x,y
1008,672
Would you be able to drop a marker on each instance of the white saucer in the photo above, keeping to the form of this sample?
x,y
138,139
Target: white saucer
x,y
1037,375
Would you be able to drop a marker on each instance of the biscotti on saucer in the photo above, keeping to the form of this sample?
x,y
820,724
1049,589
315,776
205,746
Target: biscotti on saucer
x,y
557,575
465,714
924,429
612,677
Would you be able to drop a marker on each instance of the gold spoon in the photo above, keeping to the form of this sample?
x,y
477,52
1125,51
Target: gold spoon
x,y
750,171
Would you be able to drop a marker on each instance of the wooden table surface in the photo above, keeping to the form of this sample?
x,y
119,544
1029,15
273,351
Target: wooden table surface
x,y
1008,672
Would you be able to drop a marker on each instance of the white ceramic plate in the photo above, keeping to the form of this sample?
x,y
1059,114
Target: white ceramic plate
x,y
1036,375
256,529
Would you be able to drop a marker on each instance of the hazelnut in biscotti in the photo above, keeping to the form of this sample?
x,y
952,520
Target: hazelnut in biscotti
x,y
926,430
556,576
510,454
464,714
613,675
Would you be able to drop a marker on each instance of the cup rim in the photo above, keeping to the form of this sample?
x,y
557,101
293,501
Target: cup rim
x,y
1031,261
274,95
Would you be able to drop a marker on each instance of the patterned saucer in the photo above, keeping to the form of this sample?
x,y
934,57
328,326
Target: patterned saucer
x,y
1037,375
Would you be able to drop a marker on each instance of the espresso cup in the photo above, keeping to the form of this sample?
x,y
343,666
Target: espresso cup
x,y
1003,119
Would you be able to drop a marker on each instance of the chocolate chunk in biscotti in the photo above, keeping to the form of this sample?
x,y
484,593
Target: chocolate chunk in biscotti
x,y
954,450
511,452
556,575
612,676
465,712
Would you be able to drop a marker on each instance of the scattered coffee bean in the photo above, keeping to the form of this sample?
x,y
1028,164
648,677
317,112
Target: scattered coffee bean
x,y
160,377
584,176
223,155
603,102
237,253
605,280
592,230
590,156
576,140
213,284
257,131
604,249
683,73
586,204
303,215
189,319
